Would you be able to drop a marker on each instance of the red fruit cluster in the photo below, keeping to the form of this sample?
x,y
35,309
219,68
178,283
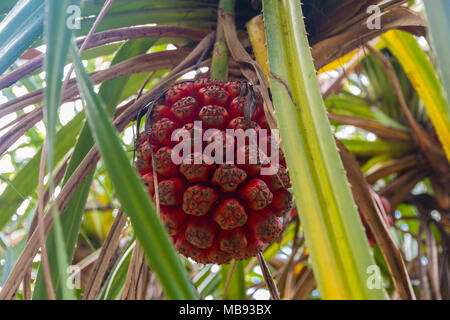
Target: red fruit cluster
x,y
214,212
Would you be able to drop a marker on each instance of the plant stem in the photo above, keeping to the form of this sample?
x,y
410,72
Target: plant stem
x,y
219,64
339,250
227,6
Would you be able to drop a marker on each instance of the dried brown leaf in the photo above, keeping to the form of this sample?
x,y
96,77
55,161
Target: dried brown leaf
x,y
137,273
305,284
383,132
271,286
143,63
109,248
332,48
397,165
110,36
372,212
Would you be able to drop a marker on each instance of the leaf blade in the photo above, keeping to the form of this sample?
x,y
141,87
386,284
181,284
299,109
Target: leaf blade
x,y
71,217
20,28
424,79
326,207
57,37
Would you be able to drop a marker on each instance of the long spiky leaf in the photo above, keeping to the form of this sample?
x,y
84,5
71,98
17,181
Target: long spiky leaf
x,y
135,201
334,234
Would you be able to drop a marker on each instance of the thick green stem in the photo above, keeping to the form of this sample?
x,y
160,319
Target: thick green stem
x,y
227,6
340,255
219,64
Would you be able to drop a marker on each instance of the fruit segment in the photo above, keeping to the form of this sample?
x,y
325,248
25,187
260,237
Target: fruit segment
x,y
230,214
228,177
281,202
200,231
232,241
256,194
264,225
198,199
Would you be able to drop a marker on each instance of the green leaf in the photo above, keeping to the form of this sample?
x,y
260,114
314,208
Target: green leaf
x,y
361,147
12,254
206,281
198,17
380,85
424,79
136,80
110,92
236,289
122,6
57,37
21,27
347,104
374,163
26,179
210,285
136,203
114,283
438,13
334,234
6,6
100,51
128,13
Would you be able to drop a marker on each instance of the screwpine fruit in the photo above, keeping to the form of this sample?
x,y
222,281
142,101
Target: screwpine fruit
x,y
214,211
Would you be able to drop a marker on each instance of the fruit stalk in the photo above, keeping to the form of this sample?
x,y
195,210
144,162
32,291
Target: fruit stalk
x,y
219,63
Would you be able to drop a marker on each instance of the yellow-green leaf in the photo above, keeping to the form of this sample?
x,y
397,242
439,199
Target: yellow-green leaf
x,y
424,79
